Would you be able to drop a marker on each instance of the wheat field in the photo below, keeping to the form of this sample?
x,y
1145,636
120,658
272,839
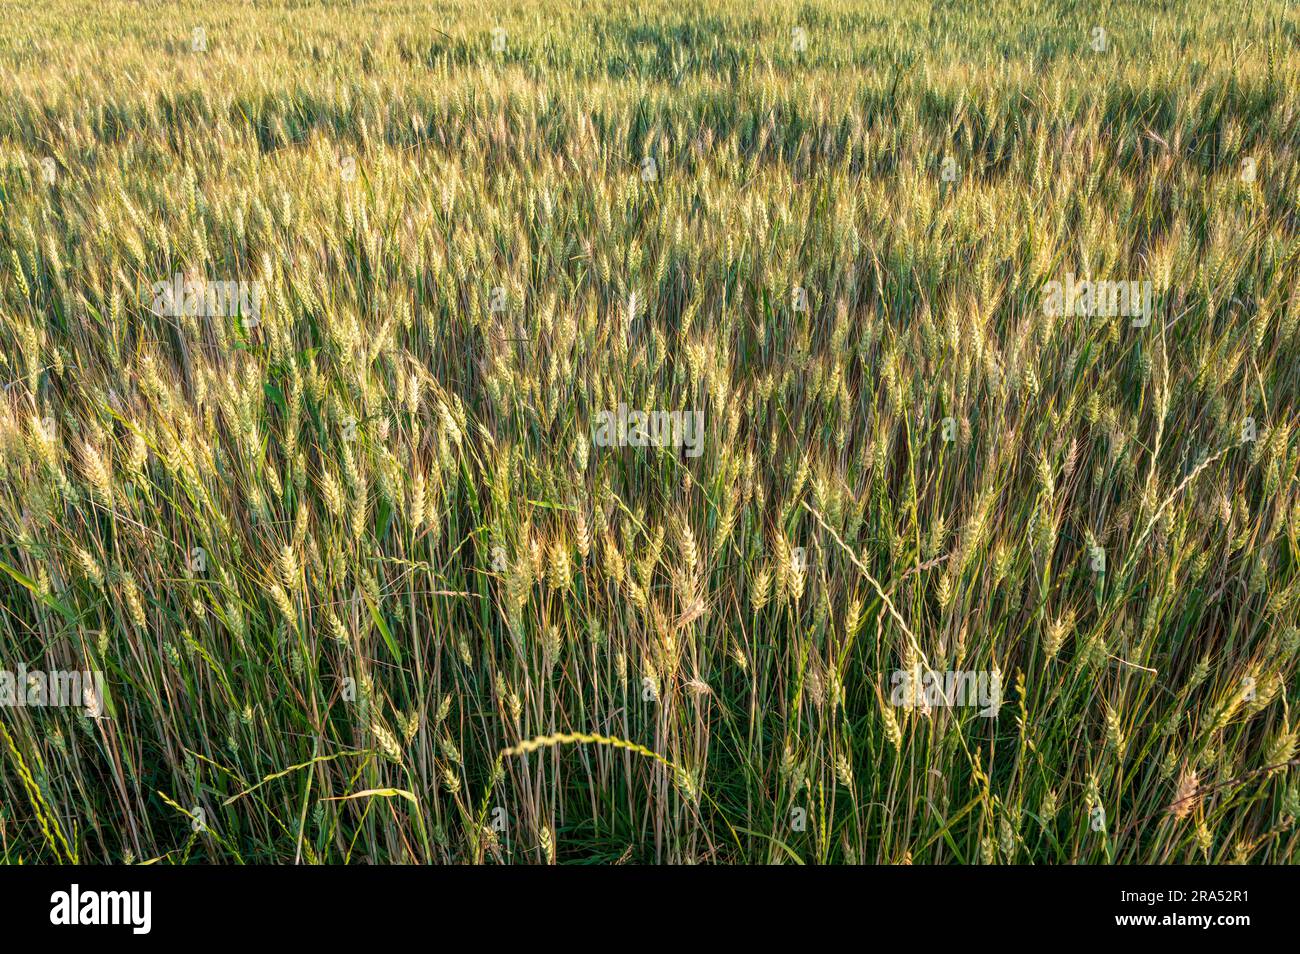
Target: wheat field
x,y
587,432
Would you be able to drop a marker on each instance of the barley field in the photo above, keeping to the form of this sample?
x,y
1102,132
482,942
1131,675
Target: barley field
x,y
598,432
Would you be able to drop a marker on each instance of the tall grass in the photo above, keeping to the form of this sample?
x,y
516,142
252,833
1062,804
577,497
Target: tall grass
x,y
364,587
